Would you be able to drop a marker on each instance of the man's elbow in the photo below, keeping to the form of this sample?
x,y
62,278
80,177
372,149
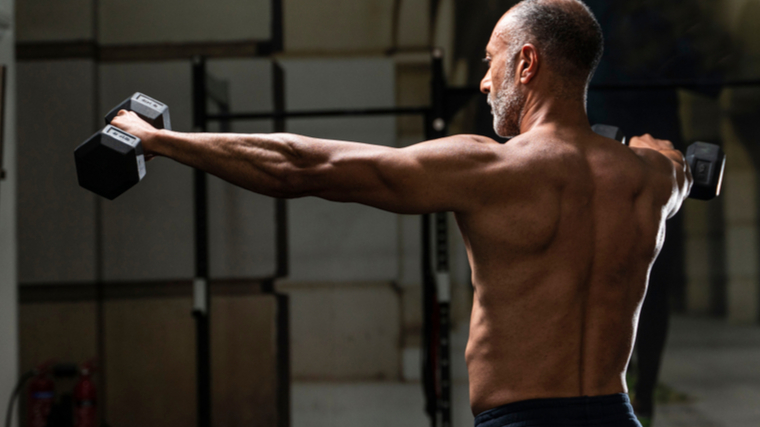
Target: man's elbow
x,y
290,182
294,175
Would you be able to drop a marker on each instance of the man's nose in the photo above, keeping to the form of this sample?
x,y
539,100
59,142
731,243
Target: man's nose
x,y
485,84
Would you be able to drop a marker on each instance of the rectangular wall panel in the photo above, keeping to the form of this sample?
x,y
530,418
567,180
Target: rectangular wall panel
x,y
56,225
345,332
334,241
149,363
338,25
178,21
148,231
242,223
62,332
246,382
54,20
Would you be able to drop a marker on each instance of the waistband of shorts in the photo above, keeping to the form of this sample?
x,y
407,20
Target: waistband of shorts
x,y
586,410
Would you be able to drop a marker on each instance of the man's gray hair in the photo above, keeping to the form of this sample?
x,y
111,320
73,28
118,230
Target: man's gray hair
x,y
565,31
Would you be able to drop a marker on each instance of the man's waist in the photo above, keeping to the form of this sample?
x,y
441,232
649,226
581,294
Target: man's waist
x,y
614,409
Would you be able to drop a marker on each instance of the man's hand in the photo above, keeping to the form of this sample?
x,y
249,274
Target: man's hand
x,y
647,141
676,167
130,122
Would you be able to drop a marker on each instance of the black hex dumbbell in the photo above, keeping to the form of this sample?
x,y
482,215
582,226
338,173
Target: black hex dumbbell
x,y
706,161
112,161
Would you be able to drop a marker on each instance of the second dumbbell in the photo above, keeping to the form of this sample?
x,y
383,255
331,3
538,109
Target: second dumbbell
x,y
706,161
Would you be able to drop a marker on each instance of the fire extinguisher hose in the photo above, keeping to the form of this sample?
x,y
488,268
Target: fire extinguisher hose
x,y
20,385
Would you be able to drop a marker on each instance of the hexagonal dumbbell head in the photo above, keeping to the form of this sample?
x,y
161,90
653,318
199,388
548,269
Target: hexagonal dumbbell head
x,y
154,112
110,162
707,162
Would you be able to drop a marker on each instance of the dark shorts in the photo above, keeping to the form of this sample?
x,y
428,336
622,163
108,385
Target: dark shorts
x,y
599,411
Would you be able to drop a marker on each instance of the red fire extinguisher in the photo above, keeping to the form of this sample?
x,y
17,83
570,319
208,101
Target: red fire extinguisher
x,y
41,396
85,398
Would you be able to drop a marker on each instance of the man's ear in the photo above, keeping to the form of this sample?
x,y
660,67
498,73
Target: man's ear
x,y
529,63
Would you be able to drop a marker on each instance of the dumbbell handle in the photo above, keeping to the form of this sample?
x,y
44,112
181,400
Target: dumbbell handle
x,y
611,132
151,110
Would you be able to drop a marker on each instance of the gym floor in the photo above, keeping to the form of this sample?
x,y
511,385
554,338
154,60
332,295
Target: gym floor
x,y
711,361
716,365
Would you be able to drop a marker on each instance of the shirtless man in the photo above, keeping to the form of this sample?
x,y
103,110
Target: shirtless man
x,y
561,225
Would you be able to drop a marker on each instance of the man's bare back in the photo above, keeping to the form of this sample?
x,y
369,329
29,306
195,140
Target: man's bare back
x,y
560,268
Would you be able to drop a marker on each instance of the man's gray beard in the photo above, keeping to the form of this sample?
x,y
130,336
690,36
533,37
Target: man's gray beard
x,y
506,108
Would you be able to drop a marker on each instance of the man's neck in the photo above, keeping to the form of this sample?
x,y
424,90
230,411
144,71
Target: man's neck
x,y
548,110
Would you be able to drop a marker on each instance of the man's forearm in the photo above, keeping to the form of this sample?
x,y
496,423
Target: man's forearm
x,y
269,164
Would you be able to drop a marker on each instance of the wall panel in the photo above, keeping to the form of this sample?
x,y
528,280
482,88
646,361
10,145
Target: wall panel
x,y
178,21
333,241
56,216
148,231
54,20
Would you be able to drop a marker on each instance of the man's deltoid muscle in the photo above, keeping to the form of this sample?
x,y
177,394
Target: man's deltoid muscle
x,y
561,225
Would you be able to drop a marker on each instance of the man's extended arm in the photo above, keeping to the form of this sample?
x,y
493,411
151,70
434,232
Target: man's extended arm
x,y
440,175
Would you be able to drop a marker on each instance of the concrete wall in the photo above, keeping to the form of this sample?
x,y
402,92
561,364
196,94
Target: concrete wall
x,y
8,254
722,236
147,233
703,222
55,224
346,260
143,21
355,277
741,232
722,252
146,21
149,357
242,232
331,241
45,20
740,129
325,26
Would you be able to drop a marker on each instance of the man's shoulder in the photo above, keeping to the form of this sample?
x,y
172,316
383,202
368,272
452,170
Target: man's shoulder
x,y
473,139
522,152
